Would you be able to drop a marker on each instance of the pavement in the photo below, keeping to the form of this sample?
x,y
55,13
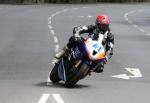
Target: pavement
x,y
30,35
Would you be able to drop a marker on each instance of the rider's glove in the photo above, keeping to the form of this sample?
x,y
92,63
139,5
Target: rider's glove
x,y
76,35
105,60
108,57
77,38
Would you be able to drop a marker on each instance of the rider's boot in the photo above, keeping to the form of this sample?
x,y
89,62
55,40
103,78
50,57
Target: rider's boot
x,y
61,53
100,67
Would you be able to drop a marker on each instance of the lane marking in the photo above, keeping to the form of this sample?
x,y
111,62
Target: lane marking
x,y
50,26
135,26
56,48
136,73
58,12
55,39
58,98
132,24
52,32
48,80
44,98
53,15
141,30
89,16
86,7
49,22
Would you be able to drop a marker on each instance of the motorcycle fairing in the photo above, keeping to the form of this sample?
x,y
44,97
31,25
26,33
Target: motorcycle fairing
x,y
94,46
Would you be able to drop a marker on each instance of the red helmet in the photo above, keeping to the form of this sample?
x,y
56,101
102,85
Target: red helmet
x,y
102,22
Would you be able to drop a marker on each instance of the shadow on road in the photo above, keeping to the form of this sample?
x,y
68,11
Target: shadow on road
x,y
59,85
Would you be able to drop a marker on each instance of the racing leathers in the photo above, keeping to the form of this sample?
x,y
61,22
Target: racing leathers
x,y
93,32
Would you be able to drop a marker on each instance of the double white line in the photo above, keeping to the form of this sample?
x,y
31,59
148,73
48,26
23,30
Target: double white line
x,y
45,97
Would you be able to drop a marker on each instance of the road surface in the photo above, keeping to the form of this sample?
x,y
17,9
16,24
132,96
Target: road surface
x,y
30,35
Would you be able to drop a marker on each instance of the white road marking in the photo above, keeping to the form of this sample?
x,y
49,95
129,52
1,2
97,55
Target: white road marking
x,y
49,19
52,32
56,48
49,22
89,16
131,23
64,10
55,39
135,26
58,98
86,7
136,73
141,30
121,76
48,80
50,26
131,12
148,34
58,12
44,98
53,15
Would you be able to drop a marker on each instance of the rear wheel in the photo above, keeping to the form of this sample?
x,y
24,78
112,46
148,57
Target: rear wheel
x,y
81,73
54,74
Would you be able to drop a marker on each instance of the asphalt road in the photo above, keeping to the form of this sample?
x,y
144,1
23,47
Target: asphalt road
x,y
30,35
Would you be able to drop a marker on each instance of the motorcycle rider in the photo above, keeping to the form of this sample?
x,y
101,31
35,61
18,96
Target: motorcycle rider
x,y
101,26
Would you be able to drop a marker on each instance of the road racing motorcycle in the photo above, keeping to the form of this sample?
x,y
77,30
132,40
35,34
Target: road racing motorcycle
x,y
79,62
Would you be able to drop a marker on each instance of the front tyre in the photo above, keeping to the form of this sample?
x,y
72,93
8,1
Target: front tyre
x,y
81,73
54,74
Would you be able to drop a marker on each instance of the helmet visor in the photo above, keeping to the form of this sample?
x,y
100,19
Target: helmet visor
x,y
103,26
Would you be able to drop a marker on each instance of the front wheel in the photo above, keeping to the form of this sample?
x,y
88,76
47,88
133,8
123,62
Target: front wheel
x,y
54,74
81,73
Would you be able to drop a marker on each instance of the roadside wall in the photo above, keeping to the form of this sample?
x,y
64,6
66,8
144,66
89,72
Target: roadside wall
x,y
66,1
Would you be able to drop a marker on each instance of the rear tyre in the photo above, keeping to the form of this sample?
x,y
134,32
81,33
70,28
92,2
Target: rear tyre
x,y
54,74
81,73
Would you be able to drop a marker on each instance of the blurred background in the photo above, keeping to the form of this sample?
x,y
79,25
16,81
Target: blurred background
x,y
68,1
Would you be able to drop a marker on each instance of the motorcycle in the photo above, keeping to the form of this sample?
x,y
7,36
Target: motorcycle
x,y
79,62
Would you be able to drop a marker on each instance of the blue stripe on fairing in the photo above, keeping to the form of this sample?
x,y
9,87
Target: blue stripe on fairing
x,y
61,71
84,48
